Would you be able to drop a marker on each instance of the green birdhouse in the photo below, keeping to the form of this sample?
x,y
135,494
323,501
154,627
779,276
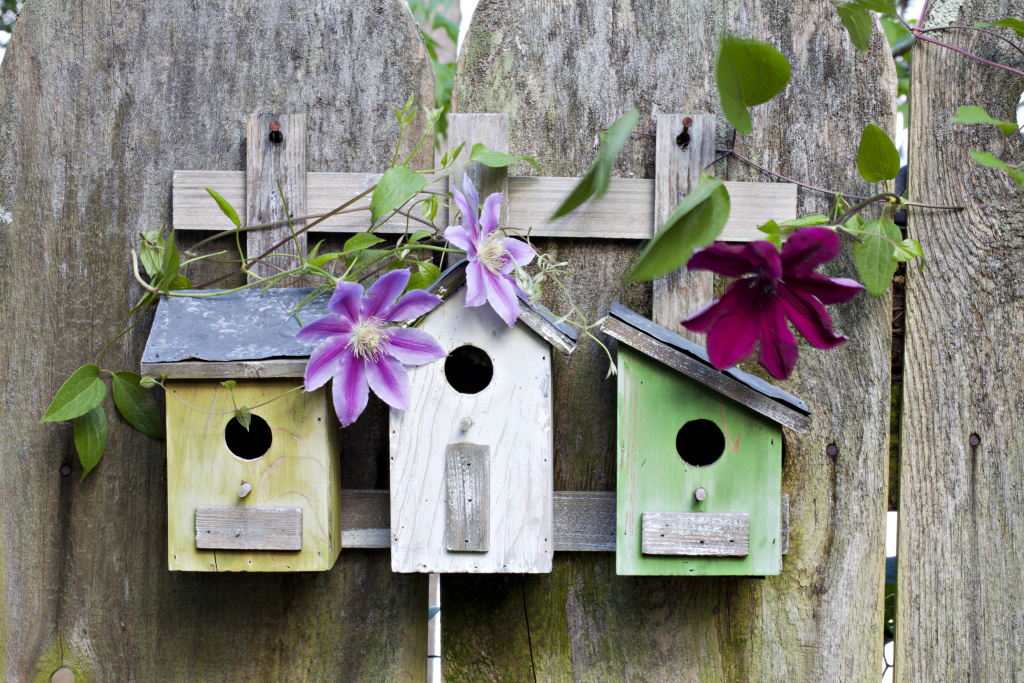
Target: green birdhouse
x,y
699,459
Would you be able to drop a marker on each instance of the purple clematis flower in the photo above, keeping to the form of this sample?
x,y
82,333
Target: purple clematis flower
x,y
781,286
362,351
492,256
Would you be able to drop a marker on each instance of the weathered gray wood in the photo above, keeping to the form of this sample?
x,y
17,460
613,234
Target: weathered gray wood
x,y
268,166
784,534
238,369
625,212
491,130
707,534
467,485
241,527
99,103
706,374
585,520
434,628
563,72
365,518
677,171
960,563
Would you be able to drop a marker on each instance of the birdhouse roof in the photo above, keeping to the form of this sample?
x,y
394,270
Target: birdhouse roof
x,y
542,321
691,360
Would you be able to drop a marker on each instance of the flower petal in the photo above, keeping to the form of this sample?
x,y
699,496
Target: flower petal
x,y
472,198
828,290
489,215
412,305
476,293
778,345
345,300
738,260
322,328
468,213
705,318
325,362
383,293
388,379
461,238
521,252
807,249
350,390
414,347
502,297
810,319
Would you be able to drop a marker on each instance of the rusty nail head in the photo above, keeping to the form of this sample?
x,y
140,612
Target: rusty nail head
x,y
832,450
700,494
275,125
275,132
65,470
687,122
975,440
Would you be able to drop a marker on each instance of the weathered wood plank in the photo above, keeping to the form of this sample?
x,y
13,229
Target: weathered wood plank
x,y
960,563
99,104
492,131
365,518
467,486
705,534
238,369
239,527
677,170
585,521
625,212
272,169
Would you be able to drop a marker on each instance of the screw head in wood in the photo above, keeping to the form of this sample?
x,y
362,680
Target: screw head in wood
x,y
63,675
244,489
700,494
65,470
275,133
832,450
465,423
975,440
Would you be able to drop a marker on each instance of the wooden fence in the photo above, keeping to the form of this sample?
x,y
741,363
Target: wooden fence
x,y
101,103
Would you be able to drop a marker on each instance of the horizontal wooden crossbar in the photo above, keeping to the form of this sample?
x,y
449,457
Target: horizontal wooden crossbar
x,y
584,521
625,212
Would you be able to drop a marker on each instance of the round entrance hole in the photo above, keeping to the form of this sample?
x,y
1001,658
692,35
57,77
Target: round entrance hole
x,y
468,369
700,443
248,444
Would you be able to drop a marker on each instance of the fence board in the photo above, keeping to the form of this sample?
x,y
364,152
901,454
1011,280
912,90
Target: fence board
x,y
99,104
960,575
563,72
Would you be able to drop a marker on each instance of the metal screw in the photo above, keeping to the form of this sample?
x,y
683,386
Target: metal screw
x,y
65,470
275,133
700,494
975,440
683,140
832,450
465,423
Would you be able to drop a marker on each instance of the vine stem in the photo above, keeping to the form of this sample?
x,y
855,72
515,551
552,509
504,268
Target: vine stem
x,y
733,152
919,34
978,29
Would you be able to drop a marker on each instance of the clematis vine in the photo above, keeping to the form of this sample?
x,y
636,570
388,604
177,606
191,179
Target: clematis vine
x,y
362,349
780,286
492,256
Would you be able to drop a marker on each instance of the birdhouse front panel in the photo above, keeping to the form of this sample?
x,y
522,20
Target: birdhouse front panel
x,y
262,499
472,459
699,478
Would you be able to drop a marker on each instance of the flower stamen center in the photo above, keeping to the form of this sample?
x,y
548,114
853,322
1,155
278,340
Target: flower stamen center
x,y
492,253
368,340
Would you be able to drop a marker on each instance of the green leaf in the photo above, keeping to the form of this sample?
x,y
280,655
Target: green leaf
x,y
171,263
857,23
874,256
749,73
696,222
419,235
992,161
426,274
180,282
360,241
149,254
322,259
488,157
80,393
90,439
228,384
977,115
396,187
803,221
1016,24
136,404
907,250
428,208
883,6
595,181
148,382
244,417
877,158
226,207
771,228
450,156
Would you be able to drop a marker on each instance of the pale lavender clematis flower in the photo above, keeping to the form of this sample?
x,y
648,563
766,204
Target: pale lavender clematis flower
x,y
492,256
361,351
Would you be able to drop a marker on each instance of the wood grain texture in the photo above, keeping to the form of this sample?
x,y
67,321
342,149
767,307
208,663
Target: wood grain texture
x,y
677,171
234,527
511,416
99,104
564,71
467,483
492,131
585,520
960,574
625,212
703,534
239,369
275,173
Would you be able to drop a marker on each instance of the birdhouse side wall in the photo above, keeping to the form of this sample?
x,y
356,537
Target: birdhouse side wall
x,y
654,402
300,469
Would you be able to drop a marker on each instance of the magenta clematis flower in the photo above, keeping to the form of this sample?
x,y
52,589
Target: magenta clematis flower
x,y
491,255
781,286
361,351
